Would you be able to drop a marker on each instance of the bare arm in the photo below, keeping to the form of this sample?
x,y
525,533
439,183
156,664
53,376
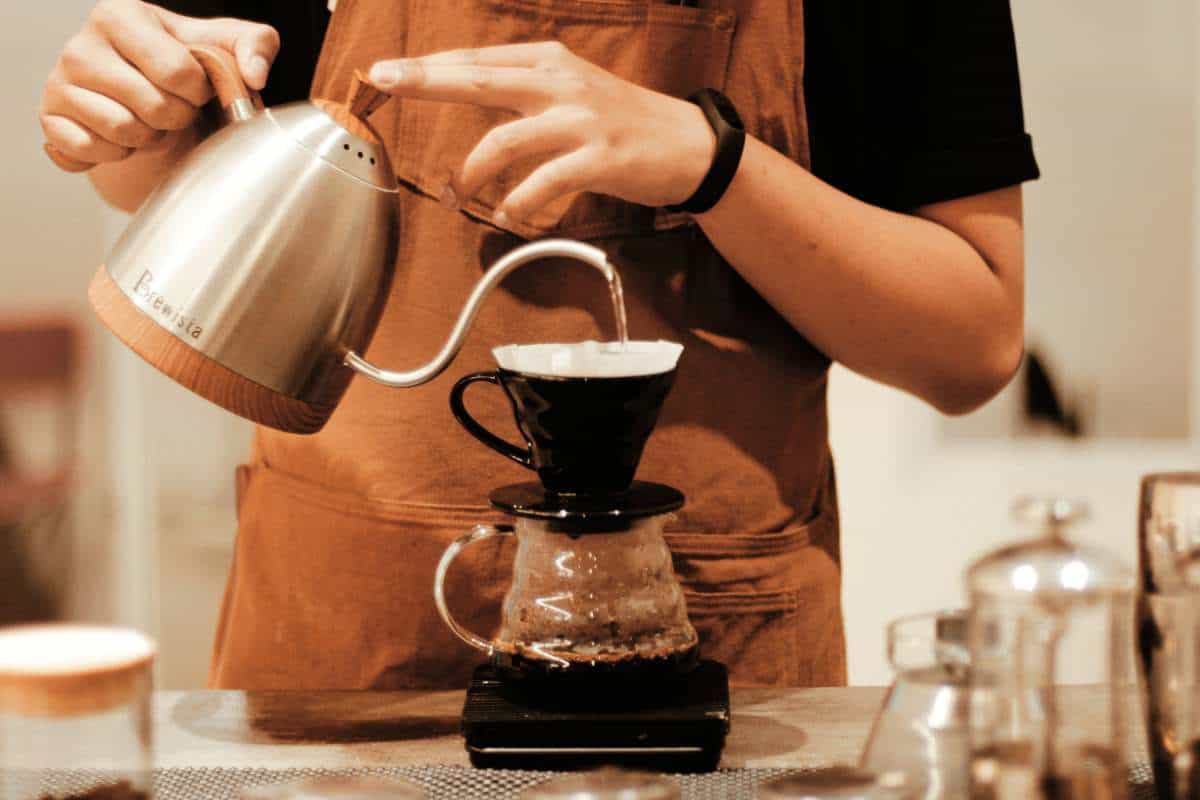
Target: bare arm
x,y
930,303
125,94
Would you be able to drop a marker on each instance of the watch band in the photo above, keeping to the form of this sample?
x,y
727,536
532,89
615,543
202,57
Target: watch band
x,y
731,140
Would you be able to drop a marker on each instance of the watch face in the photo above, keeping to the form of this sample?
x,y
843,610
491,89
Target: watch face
x,y
725,108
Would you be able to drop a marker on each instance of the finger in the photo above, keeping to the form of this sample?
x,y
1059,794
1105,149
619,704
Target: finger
x,y
77,142
255,45
95,66
514,88
507,144
138,35
98,113
526,54
552,180
65,162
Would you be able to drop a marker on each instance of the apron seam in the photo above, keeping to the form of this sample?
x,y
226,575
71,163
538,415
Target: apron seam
x,y
768,601
601,11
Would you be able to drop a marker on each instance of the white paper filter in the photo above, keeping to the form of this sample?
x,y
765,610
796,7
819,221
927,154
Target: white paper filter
x,y
590,359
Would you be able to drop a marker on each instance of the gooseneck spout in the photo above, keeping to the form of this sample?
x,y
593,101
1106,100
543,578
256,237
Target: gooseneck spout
x,y
546,248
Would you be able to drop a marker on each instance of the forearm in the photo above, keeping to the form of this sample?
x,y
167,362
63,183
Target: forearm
x,y
901,299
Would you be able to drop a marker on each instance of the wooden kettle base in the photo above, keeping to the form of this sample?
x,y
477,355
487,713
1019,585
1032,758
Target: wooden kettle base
x,y
194,370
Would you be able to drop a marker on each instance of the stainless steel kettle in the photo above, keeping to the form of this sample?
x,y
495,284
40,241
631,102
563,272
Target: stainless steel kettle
x,y
256,274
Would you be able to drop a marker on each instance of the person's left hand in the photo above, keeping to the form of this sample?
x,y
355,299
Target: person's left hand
x,y
590,130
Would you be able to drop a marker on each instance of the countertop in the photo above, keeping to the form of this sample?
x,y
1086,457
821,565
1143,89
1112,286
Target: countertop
x,y
341,730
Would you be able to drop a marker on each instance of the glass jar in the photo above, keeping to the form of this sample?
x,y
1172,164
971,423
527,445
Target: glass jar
x,y
333,788
594,593
1028,602
837,783
609,783
75,716
921,729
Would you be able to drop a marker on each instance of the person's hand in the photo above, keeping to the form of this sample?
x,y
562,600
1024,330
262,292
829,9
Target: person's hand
x,y
126,81
590,130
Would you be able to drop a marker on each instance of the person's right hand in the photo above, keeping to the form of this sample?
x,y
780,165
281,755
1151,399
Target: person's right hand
x,y
127,78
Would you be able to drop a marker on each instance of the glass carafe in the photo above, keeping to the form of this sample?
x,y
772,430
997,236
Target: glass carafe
x,y
1027,600
591,594
921,730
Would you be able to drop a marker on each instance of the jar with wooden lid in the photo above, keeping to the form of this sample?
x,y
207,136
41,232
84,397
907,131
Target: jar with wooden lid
x,y
75,716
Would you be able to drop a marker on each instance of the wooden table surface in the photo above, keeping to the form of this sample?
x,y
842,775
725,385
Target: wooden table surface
x,y
280,730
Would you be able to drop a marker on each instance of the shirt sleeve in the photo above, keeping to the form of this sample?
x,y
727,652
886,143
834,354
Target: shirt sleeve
x,y
932,110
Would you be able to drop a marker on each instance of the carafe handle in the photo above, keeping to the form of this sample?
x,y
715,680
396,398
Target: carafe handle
x,y
476,534
238,102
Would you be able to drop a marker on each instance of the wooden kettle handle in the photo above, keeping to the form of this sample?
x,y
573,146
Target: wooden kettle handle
x,y
224,75
220,65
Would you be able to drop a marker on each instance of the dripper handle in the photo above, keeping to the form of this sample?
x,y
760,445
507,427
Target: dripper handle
x,y
476,534
459,409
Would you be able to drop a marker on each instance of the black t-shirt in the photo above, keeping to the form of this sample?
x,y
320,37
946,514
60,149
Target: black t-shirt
x,y
908,102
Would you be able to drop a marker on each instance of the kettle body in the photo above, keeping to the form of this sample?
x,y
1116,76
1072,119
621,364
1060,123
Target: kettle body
x,y
270,251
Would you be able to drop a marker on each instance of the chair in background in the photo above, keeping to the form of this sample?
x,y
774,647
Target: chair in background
x,y
39,380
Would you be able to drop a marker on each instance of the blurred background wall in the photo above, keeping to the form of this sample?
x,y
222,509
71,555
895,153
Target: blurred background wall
x,y
155,485
53,229
1111,100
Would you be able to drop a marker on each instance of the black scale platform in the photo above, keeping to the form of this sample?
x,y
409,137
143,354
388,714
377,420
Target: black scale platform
x,y
676,725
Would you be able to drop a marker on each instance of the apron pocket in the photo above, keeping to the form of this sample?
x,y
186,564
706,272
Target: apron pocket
x,y
668,48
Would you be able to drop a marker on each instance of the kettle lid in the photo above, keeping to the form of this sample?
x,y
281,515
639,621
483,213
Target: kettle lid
x,y
339,133
357,152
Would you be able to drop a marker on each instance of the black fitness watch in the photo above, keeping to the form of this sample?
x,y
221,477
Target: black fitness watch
x,y
731,139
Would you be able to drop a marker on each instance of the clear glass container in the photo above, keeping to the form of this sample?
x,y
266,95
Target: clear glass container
x,y
609,783
330,788
921,729
589,598
1027,600
75,715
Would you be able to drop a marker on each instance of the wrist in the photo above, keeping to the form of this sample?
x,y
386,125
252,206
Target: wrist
x,y
698,148
730,139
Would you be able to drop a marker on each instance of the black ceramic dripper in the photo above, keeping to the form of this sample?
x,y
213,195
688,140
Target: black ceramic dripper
x,y
584,434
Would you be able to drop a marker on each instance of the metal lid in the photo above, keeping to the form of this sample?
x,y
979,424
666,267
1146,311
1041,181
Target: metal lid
x,y
64,669
1050,568
606,784
336,789
843,783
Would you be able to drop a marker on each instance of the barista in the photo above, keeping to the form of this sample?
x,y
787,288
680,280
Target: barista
x,y
873,217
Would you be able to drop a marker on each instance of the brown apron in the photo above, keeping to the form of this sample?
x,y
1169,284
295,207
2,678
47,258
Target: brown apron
x,y
339,532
